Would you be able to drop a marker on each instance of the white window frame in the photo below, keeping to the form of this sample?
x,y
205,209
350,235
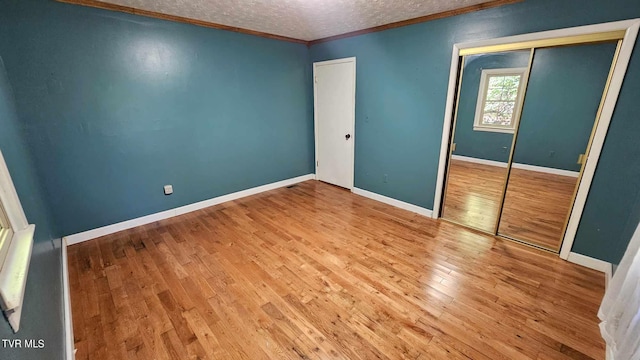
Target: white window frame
x,y
15,252
6,233
482,97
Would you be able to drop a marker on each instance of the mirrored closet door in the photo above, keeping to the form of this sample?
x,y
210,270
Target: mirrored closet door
x,y
491,91
522,128
564,91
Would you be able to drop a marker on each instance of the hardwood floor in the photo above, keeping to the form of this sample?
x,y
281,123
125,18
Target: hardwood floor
x,y
535,208
473,194
315,272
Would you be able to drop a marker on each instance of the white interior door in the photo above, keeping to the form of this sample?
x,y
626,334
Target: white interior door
x,y
334,107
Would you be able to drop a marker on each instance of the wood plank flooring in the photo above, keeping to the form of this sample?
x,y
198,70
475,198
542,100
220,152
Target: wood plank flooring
x,y
315,272
535,208
473,194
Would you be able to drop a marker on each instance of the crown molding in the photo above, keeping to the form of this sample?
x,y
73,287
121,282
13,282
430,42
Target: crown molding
x,y
157,15
421,19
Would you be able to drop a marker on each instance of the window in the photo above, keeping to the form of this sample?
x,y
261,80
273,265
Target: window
x,y
499,100
5,235
16,242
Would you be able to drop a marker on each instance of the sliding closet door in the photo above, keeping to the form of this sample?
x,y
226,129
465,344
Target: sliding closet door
x,y
489,103
564,92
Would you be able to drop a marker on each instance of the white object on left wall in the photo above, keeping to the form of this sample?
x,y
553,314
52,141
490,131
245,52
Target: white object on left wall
x,y
15,265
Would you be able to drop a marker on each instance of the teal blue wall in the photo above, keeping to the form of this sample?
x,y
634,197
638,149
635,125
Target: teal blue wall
x,y
483,144
613,207
563,95
110,107
19,161
42,315
115,106
402,79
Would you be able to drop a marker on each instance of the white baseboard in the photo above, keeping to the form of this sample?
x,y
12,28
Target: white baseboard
x,y
110,229
480,161
69,348
591,263
608,274
392,202
547,170
542,169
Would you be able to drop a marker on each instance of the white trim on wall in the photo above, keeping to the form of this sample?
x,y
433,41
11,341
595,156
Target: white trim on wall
x,y
592,263
69,350
628,43
446,131
597,143
500,164
393,202
547,170
110,229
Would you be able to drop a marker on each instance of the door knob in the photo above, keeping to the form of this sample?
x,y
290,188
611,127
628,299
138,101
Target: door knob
x,y
348,136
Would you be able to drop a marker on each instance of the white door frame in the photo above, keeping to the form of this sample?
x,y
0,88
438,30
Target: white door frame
x,y
353,115
628,42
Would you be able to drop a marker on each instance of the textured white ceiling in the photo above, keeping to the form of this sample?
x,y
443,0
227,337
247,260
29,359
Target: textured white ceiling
x,y
300,19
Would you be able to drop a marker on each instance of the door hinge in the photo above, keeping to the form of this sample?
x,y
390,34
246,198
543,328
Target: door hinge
x,y
315,79
317,164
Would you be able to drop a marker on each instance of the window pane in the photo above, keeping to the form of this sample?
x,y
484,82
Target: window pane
x,y
498,113
503,87
500,100
495,81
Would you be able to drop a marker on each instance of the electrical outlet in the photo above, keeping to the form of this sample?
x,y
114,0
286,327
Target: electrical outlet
x,y
168,189
386,178
552,153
